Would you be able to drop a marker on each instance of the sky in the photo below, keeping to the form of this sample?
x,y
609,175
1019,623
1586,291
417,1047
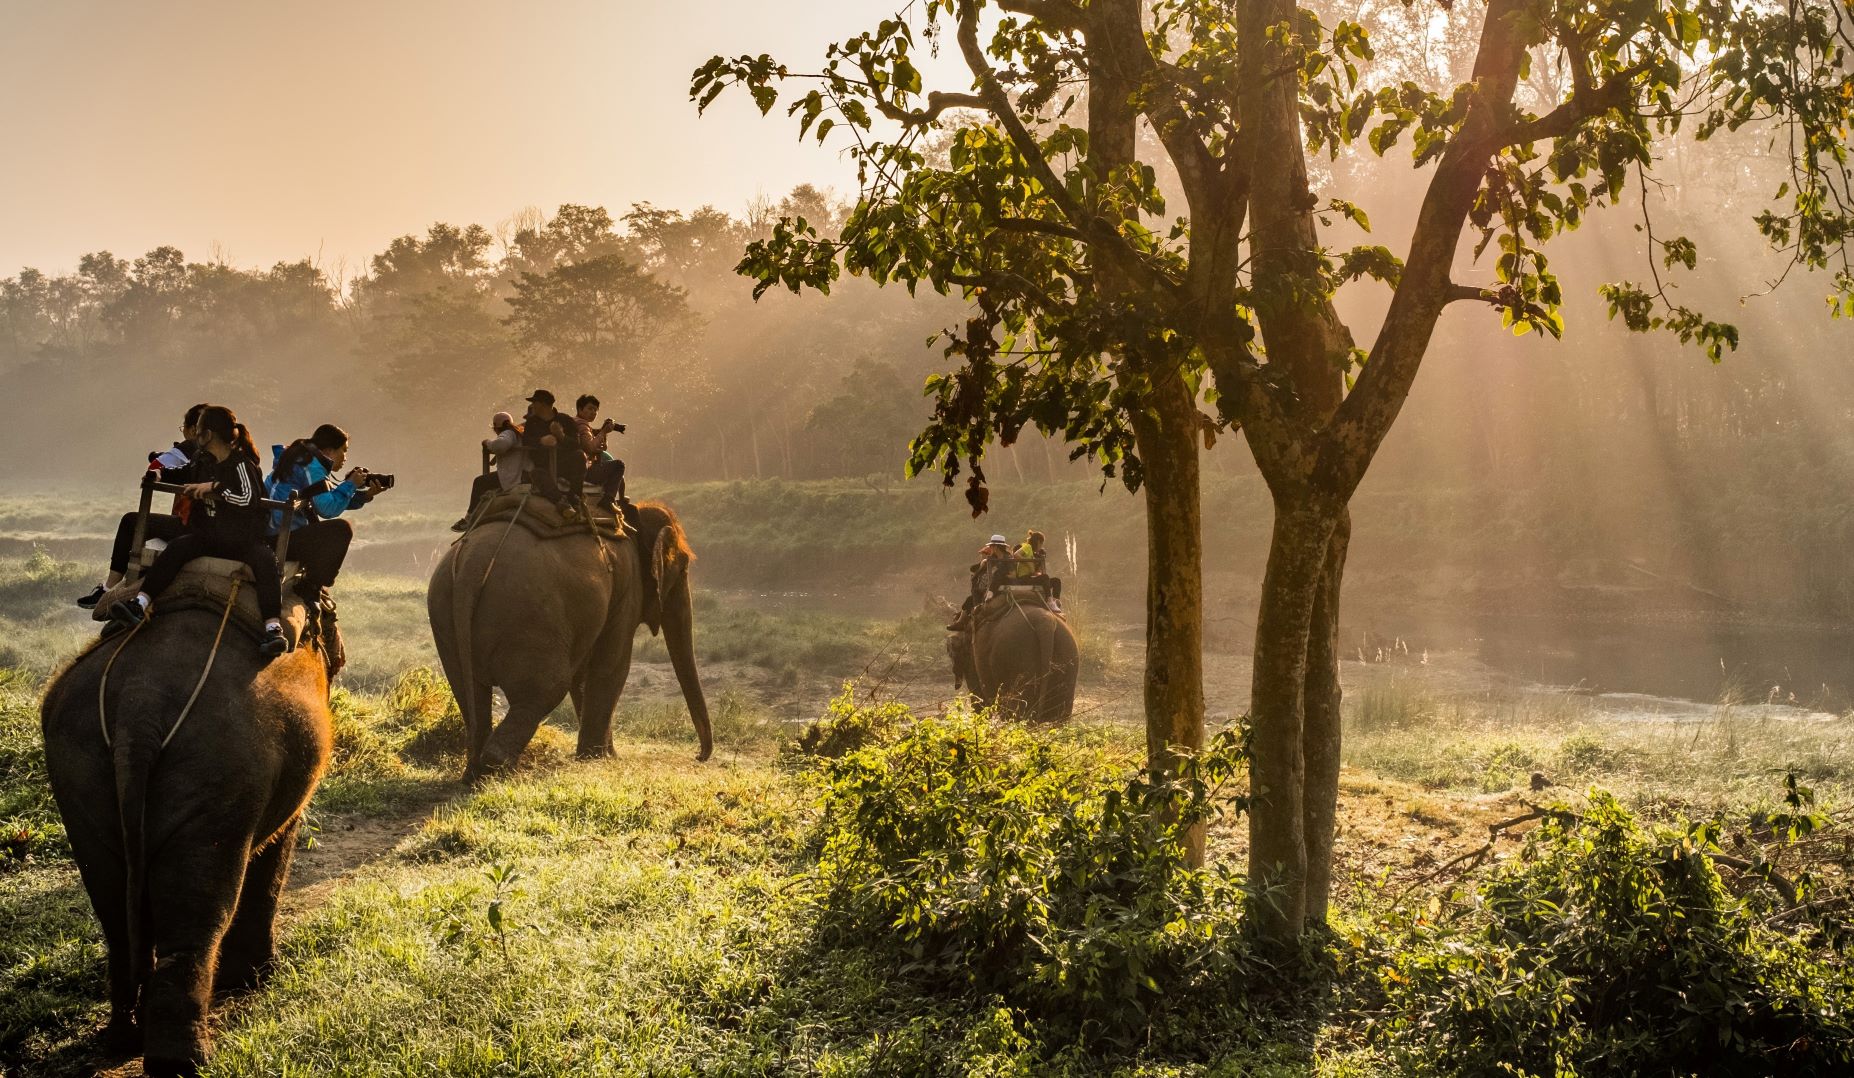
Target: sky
x,y
267,130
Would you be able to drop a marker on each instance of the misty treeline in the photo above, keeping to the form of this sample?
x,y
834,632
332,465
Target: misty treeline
x,y
446,326
1614,454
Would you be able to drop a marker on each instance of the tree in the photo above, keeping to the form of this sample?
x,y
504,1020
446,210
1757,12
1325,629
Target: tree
x,y
1114,313
867,423
429,311
595,321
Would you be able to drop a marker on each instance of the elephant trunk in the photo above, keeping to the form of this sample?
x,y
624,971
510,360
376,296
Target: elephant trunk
x,y
679,638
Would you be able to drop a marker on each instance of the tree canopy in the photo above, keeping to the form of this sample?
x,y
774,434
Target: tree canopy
x,y
1106,314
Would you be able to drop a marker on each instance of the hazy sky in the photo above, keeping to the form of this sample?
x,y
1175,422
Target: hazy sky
x,y
276,127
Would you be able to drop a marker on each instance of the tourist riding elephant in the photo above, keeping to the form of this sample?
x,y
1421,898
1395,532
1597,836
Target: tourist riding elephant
x,y
184,846
540,617
1020,657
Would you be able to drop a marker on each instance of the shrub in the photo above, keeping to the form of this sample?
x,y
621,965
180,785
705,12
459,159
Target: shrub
x,y
1605,949
845,727
1583,754
1007,861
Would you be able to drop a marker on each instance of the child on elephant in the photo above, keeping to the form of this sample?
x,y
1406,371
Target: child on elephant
x,y
1032,567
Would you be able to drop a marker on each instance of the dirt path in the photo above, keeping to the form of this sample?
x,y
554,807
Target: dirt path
x,y
345,845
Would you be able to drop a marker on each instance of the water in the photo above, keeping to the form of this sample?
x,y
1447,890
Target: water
x,y
1795,667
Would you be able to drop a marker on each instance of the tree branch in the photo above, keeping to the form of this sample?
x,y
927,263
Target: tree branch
x,y
938,102
1455,292
1351,439
1045,228
1584,103
1002,281
1094,230
1056,14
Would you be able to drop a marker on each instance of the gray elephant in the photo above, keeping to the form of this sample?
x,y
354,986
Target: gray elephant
x,y
1019,656
184,847
541,611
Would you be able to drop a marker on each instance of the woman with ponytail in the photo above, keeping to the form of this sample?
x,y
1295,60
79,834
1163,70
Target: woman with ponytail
x,y
228,521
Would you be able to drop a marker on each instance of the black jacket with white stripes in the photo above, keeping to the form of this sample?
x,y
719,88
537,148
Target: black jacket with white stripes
x,y
234,513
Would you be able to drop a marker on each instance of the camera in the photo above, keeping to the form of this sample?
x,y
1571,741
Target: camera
x,y
383,480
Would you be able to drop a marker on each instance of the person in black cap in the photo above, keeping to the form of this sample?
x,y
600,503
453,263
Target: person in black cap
x,y
548,435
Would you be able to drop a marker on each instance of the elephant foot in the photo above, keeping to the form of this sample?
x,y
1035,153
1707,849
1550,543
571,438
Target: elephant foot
x,y
170,1068
491,766
595,752
240,977
121,1037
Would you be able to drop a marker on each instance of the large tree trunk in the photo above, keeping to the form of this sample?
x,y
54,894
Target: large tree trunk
x,y
1298,557
1320,727
1166,433
1167,442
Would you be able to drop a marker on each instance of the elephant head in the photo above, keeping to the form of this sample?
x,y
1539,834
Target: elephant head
x,y
959,649
669,606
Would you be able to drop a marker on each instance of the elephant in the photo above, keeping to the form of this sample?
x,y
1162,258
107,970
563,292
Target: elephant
x,y
1021,658
542,617
184,847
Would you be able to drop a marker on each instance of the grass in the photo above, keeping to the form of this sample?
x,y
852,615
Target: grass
x,y
647,915
1493,741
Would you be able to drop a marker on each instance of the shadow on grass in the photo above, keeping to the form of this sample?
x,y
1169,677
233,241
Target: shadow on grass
x,y
52,974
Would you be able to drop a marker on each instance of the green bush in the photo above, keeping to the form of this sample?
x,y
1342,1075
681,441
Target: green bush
x,y
1008,861
845,727
1608,949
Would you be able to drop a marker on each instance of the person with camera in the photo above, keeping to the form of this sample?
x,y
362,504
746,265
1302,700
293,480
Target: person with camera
x,y
306,469
601,467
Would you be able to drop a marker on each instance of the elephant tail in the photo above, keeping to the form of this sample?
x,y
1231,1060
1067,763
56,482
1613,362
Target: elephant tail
x,y
134,760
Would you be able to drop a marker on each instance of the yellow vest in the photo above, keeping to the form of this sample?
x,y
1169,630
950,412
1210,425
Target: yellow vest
x,y
1024,568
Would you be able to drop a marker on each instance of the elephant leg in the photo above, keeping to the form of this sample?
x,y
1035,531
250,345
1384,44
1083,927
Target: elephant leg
x,y
603,687
194,886
528,705
87,803
478,715
579,710
249,946
107,882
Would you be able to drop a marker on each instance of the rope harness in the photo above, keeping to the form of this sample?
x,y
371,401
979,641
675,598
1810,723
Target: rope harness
x,y
592,529
198,686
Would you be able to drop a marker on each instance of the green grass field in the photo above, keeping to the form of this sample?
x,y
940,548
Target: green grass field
x,y
647,915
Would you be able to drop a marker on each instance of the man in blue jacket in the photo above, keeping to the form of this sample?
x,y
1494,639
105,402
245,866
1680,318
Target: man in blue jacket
x,y
306,469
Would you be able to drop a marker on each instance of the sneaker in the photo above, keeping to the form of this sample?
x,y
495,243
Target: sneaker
x,y
127,612
89,602
462,525
274,643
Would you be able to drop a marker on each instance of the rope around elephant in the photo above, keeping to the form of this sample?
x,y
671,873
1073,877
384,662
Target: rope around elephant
x,y
198,686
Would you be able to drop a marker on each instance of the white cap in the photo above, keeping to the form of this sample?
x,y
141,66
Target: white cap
x,y
1001,540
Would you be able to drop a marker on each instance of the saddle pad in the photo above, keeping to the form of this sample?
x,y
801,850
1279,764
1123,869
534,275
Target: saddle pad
x,y
205,584
540,517
1010,598
226,567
